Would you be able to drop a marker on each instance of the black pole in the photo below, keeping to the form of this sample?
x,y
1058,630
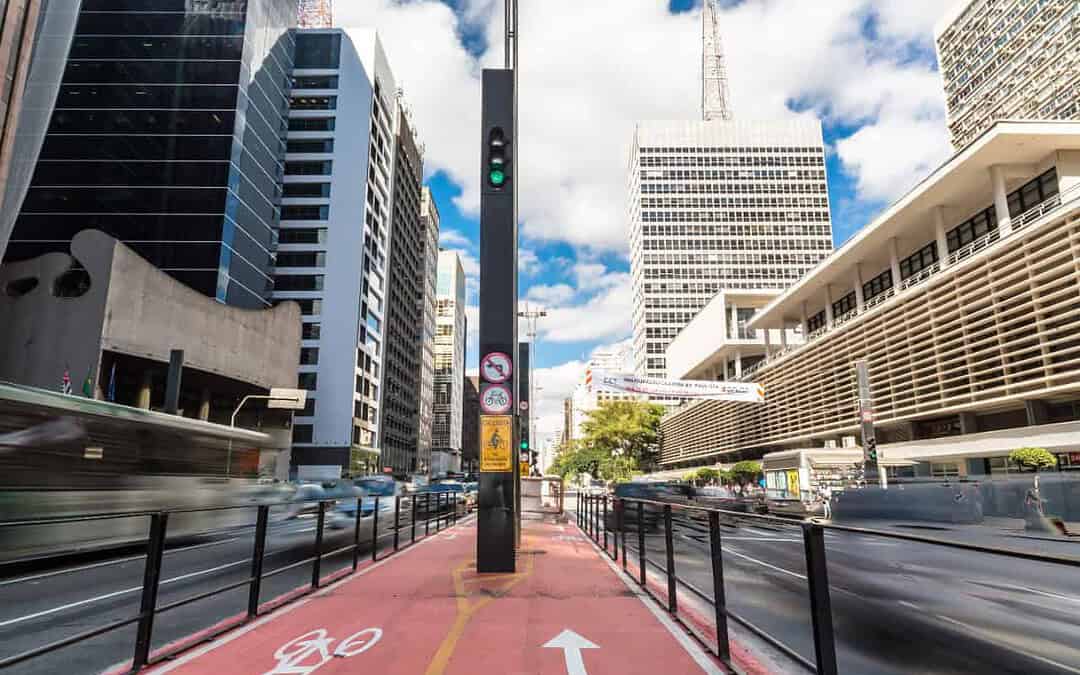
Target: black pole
x,y
615,529
427,513
412,526
496,515
257,561
316,568
669,546
356,534
723,650
641,541
603,521
820,604
397,519
375,532
622,531
155,550
172,383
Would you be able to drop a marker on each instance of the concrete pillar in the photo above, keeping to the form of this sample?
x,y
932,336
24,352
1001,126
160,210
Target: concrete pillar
x,y
204,405
1001,199
145,389
768,341
939,232
738,364
860,301
783,336
734,334
805,321
828,306
894,263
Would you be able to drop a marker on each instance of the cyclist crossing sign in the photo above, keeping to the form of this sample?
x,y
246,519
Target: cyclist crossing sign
x,y
495,399
496,435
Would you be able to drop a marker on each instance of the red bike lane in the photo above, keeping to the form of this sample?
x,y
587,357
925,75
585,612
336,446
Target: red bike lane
x,y
425,610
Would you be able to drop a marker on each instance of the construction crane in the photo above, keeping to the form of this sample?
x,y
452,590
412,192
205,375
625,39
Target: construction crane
x,y
715,93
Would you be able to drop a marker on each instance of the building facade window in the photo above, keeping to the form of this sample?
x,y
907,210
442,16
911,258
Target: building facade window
x,y
923,259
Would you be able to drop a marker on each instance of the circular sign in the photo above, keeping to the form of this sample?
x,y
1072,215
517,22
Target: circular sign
x,y
496,367
496,400
523,406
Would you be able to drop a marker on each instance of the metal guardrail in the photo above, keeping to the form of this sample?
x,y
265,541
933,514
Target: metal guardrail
x,y
592,518
443,512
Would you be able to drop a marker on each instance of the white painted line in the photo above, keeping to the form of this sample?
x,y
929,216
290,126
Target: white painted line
x,y
571,643
56,573
692,648
190,656
975,630
764,564
107,596
1057,596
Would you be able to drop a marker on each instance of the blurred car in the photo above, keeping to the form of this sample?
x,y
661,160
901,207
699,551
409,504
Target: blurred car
x,y
651,514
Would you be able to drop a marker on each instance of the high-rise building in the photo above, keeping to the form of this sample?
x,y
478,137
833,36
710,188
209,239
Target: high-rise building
x,y
714,206
449,365
429,215
168,133
403,346
719,205
1008,60
470,425
336,218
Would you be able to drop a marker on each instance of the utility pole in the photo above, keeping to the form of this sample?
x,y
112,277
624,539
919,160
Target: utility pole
x,y
497,514
531,317
872,469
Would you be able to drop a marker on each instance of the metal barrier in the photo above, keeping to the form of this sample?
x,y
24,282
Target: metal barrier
x,y
155,551
542,496
593,520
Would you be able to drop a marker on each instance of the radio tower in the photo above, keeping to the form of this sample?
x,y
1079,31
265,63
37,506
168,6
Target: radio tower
x,y
316,14
715,94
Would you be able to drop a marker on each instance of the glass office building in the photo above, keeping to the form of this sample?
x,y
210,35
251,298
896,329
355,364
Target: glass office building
x,y
169,133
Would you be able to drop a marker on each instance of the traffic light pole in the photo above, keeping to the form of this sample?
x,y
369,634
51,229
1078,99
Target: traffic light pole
x,y
872,469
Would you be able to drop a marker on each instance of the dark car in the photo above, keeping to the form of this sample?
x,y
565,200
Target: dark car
x,y
651,514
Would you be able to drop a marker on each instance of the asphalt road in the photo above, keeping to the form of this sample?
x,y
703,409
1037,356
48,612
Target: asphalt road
x,y
66,598
898,607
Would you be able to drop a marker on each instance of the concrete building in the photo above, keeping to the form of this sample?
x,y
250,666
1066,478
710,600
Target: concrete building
x,y
1008,60
108,319
719,206
176,148
963,299
403,346
470,425
332,258
449,365
429,216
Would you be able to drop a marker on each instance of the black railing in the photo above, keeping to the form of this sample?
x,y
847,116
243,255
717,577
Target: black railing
x,y
155,551
593,520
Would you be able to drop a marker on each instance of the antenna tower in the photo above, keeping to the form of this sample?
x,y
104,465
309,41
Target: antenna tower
x,y
316,13
715,94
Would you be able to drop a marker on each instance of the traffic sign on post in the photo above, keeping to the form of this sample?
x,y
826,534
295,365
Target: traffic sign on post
x,y
496,515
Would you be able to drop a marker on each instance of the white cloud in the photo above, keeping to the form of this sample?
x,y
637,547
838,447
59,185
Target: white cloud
x,y
605,316
453,239
555,294
553,385
528,262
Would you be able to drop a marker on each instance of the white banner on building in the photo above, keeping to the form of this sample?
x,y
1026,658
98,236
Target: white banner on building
x,y
746,392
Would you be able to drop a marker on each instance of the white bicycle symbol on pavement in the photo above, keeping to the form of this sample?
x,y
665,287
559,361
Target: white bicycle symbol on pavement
x,y
298,656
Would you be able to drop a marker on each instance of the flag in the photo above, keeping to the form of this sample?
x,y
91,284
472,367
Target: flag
x,y
65,385
111,396
88,384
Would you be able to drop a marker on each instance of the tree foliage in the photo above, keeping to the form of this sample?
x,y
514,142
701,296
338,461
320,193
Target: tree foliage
x,y
625,429
746,471
1034,458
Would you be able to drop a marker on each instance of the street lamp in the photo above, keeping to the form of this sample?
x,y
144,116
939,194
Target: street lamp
x,y
281,398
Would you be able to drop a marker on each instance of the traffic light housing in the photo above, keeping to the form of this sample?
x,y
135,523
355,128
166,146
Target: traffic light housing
x,y
498,158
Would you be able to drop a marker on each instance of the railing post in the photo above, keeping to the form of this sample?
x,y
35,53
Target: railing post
x,y
723,650
427,513
669,547
375,532
603,520
641,540
622,531
412,507
615,530
320,524
155,550
397,519
820,605
257,561
356,534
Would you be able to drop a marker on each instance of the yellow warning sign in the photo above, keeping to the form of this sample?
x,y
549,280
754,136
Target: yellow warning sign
x,y
496,436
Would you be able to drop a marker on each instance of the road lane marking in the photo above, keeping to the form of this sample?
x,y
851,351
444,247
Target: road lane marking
x,y
294,657
571,644
46,575
764,564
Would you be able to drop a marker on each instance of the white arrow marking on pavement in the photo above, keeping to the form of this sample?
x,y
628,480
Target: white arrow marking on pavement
x,y
571,643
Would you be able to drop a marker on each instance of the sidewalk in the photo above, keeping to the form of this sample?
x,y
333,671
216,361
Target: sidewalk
x,y
425,610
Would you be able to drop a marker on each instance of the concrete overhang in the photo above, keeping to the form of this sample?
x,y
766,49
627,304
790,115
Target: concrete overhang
x,y
962,186
704,343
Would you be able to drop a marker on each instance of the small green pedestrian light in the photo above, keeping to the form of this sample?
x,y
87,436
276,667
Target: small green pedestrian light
x,y
524,445
497,177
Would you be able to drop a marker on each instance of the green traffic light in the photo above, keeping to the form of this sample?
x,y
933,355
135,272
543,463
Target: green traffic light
x,y
524,445
497,177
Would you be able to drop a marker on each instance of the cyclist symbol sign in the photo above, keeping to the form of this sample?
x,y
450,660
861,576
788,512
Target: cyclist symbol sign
x,y
496,399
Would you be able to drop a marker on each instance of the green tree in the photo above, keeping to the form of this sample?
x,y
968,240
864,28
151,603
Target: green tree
x,y
1033,458
619,469
745,472
707,476
577,458
628,429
